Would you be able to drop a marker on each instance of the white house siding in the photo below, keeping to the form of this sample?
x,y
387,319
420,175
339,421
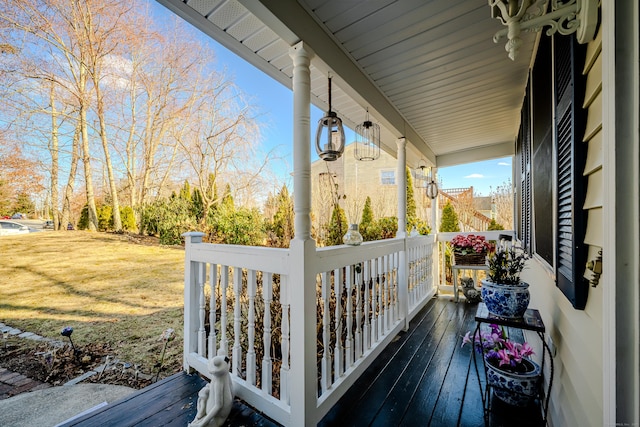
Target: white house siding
x,y
577,396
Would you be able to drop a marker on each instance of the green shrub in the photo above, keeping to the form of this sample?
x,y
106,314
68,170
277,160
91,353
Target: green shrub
x,y
105,217
337,227
449,220
128,218
240,226
493,225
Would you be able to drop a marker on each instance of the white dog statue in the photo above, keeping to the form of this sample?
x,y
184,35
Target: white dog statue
x,y
216,398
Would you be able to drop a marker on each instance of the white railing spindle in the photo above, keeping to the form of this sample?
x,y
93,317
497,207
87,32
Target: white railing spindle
x,y
285,342
236,365
224,317
267,364
202,335
213,281
251,334
338,352
359,297
348,345
326,362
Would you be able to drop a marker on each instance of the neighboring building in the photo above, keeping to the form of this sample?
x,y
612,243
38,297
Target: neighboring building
x,y
350,182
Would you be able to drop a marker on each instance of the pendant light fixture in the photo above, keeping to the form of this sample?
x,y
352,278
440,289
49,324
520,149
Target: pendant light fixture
x,y
432,186
367,140
330,134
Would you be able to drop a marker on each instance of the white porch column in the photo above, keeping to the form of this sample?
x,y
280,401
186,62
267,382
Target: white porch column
x,y
301,55
403,271
302,250
437,270
402,187
434,205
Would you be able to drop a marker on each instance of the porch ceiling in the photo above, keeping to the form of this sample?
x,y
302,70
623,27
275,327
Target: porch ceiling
x,y
426,69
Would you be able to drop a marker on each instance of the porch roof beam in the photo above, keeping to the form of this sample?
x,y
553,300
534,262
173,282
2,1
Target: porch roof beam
x,y
478,154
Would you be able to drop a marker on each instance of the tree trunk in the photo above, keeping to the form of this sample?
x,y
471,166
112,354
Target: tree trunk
x,y
117,222
86,159
54,160
68,192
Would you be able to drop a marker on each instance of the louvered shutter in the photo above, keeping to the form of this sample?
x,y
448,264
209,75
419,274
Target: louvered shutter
x,y
570,161
523,176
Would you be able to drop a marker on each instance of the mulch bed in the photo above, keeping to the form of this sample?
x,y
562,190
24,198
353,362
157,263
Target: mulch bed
x,y
57,365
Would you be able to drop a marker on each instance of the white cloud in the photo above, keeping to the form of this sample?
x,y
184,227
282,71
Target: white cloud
x,y
503,164
475,176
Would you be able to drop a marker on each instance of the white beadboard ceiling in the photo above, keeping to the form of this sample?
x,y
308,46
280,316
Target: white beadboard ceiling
x,y
426,69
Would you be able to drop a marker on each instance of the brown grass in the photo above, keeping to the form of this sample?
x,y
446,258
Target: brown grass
x,y
109,288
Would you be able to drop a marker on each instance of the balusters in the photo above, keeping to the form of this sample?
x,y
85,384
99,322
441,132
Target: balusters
x,y
338,350
236,367
202,334
267,365
381,308
349,333
359,291
326,362
213,337
251,332
367,308
388,307
284,343
373,286
224,317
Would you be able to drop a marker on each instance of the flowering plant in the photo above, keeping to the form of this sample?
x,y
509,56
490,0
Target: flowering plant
x,y
506,264
470,244
499,351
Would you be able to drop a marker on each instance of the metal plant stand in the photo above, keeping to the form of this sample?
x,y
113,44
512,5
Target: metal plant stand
x,y
531,321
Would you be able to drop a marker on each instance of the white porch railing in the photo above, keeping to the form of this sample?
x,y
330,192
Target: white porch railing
x,y
238,302
442,238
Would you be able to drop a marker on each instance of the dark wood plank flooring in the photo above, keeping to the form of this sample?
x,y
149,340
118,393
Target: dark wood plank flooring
x,y
424,378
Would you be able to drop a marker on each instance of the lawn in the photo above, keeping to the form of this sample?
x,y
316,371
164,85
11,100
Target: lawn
x,y
113,289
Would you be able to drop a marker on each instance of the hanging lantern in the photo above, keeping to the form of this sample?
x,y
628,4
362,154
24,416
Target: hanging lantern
x,y
421,175
432,187
330,135
367,140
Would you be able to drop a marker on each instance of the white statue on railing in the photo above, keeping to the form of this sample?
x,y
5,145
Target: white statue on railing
x,y
216,398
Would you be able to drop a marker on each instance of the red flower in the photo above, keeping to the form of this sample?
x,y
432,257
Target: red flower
x,y
471,244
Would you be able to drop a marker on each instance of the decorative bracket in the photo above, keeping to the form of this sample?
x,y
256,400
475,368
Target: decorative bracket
x,y
565,17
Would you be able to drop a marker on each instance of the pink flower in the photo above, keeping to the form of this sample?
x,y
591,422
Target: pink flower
x,y
467,338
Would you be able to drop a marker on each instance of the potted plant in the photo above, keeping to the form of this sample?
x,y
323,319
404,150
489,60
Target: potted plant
x,y
470,249
504,294
511,373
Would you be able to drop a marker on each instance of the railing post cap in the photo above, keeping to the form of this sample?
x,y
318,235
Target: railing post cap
x,y
193,236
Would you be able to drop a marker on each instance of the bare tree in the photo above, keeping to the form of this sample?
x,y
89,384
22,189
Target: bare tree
x,y
220,139
502,198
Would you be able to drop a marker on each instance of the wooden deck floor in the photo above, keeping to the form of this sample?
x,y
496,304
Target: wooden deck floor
x,y
424,378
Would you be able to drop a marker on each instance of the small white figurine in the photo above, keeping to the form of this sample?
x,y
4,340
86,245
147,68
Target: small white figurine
x,y
216,398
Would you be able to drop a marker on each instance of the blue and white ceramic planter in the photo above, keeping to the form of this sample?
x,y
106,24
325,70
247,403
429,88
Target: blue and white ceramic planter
x,y
513,388
508,301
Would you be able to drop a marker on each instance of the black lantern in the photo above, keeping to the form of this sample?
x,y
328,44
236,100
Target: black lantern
x,y
330,135
367,140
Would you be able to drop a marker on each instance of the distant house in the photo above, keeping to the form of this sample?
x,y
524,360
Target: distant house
x,y
350,182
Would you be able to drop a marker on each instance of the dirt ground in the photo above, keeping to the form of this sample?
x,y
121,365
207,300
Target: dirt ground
x,y
57,365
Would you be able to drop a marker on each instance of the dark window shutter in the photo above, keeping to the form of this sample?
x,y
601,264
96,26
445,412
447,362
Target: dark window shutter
x,y
523,176
570,161
542,153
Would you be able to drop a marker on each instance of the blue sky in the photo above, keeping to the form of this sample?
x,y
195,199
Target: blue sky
x,y
274,103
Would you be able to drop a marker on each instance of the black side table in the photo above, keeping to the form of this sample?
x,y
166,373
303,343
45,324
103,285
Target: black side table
x,y
531,321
